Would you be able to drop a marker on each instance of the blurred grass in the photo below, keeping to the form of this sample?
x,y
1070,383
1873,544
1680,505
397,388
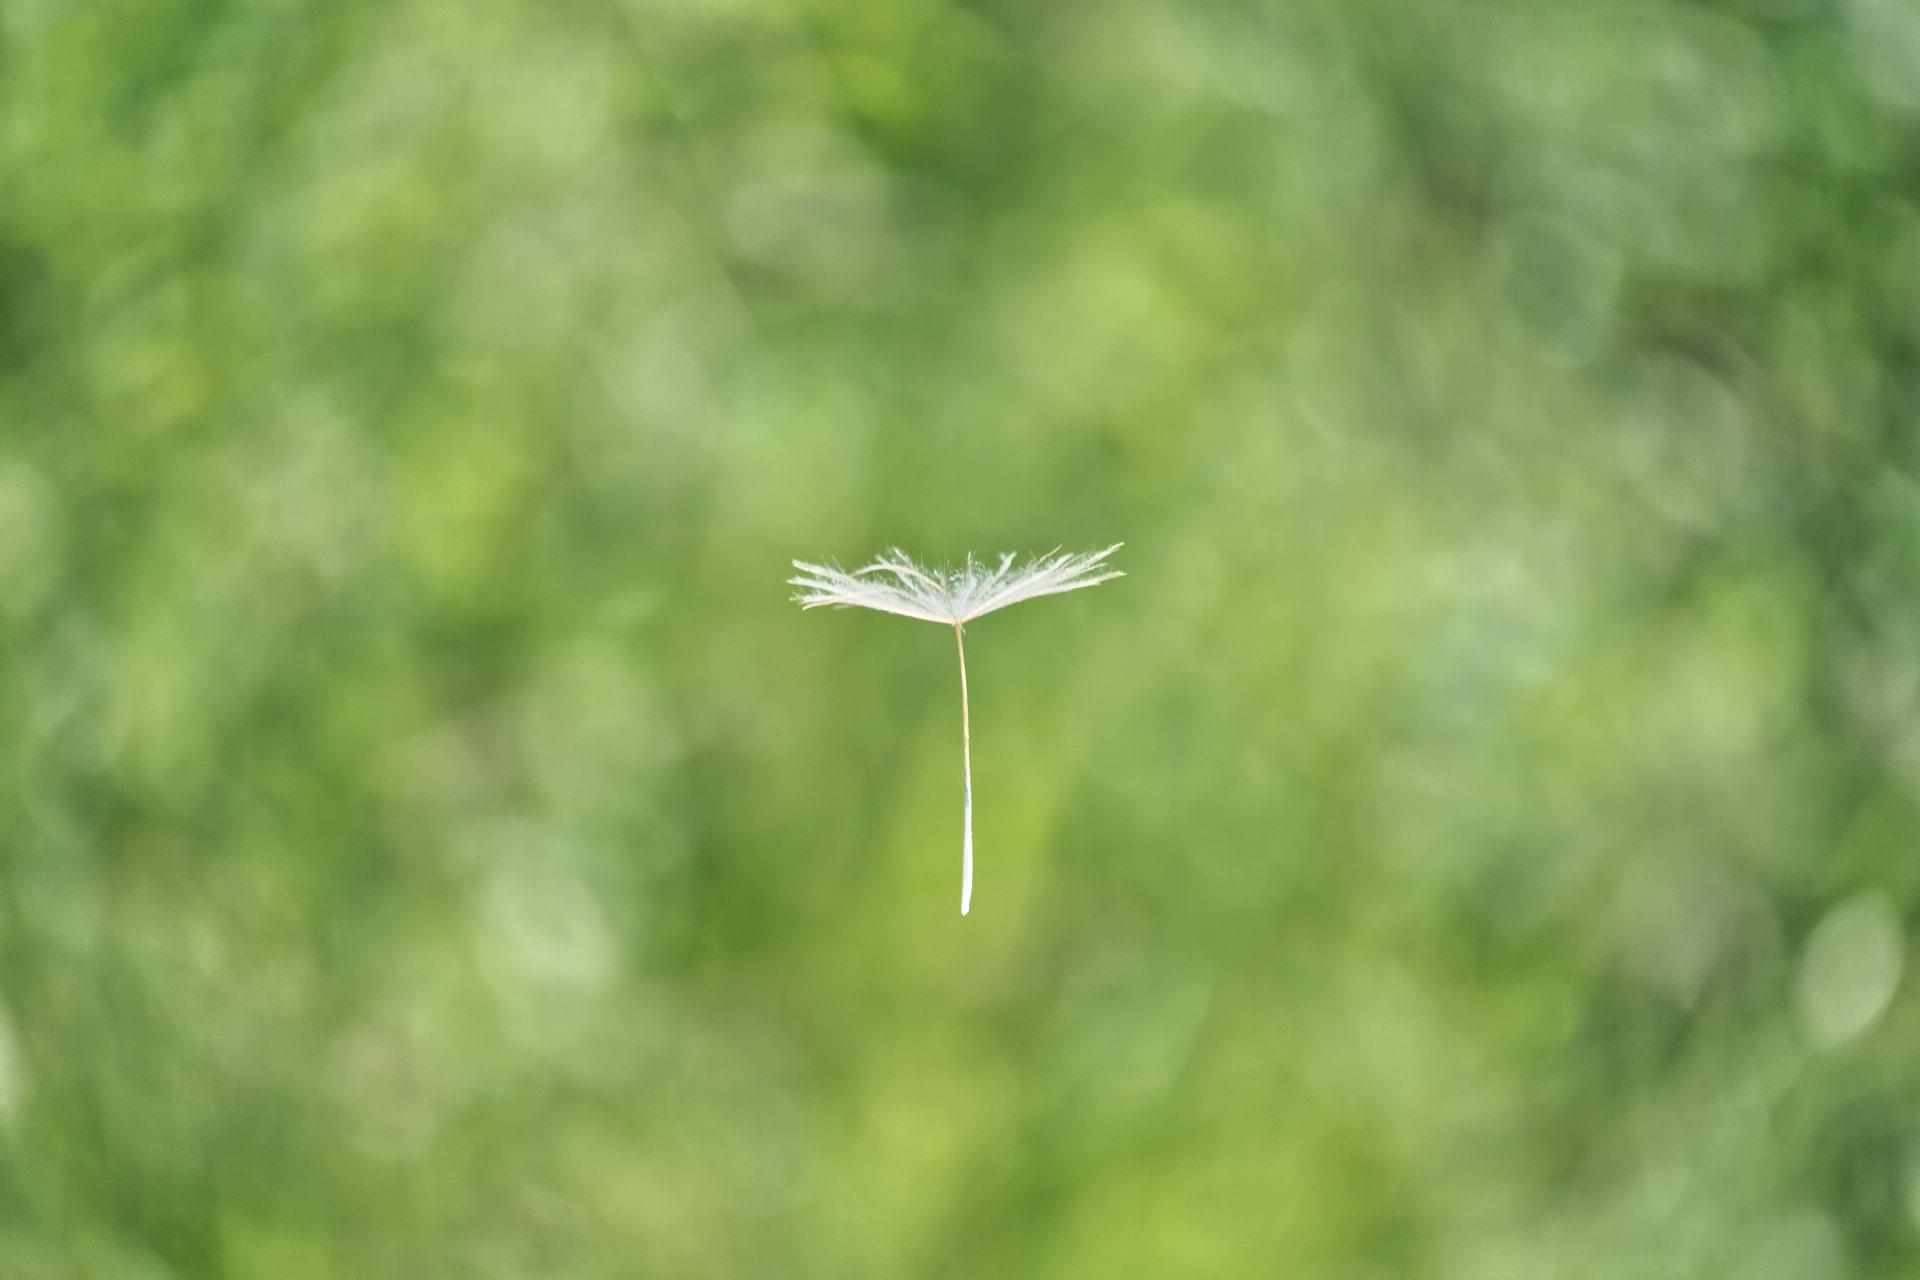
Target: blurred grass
x,y
1476,840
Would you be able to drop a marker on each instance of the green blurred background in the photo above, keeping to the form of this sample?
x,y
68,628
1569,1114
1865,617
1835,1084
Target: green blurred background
x,y
1477,840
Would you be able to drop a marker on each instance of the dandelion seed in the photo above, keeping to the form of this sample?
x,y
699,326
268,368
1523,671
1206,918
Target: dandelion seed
x,y
893,583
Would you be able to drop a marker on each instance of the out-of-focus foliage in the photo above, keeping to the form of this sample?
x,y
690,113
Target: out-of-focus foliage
x,y
1477,840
